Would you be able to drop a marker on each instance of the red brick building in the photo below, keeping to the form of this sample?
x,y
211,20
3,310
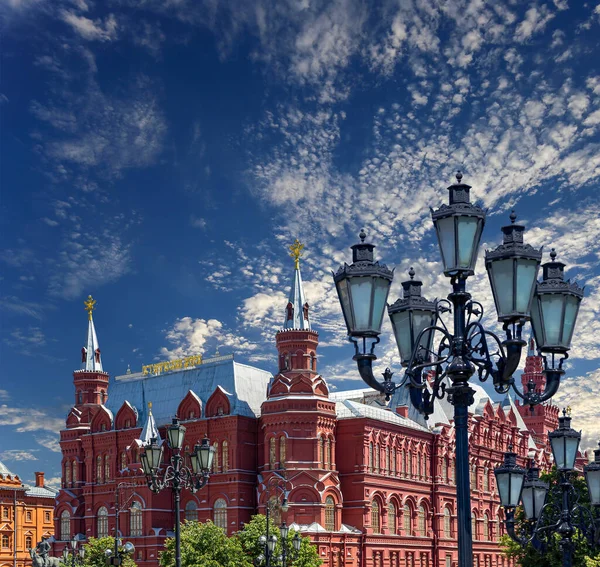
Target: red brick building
x,y
371,483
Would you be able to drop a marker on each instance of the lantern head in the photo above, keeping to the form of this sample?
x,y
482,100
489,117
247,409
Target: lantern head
x,y
363,288
458,227
534,494
554,308
565,443
592,477
175,435
512,269
410,315
509,479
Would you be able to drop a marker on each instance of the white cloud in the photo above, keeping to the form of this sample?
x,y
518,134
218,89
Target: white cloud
x,y
17,455
188,336
29,419
535,21
96,30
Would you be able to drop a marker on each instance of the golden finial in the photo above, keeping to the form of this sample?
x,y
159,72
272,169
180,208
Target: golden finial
x,y
150,407
90,305
296,252
568,411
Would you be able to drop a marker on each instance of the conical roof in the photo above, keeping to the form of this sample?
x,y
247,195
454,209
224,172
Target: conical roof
x,y
150,430
296,313
91,357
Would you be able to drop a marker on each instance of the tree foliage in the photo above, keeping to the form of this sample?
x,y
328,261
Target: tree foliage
x,y
95,553
308,555
529,556
206,545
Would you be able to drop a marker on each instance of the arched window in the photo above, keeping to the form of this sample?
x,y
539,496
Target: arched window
x,y
473,476
387,458
392,518
403,462
67,474
123,460
327,460
421,521
191,511
79,398
393,469
486,527
106,468
322,451
419,469
486,479
377,455
220,514
444,469
375,523
102,397
99,469
216,457
452,470
447,523
65,525
28,542
329,514
474,525
406,520
74,469
272,452
135,520
282,455
225,456
370,457
102,522
409,468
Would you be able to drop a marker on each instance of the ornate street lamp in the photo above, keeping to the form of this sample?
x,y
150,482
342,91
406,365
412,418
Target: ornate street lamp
x,y
466,348
120,553
561,514
176,475
276,486
77,554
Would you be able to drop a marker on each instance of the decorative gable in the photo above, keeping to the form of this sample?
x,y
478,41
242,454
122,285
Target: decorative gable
x,y
102,421
127,416
218,404
190,407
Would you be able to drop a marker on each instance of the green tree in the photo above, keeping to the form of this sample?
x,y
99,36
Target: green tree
x,y
307,556
205,545
95,553
528,556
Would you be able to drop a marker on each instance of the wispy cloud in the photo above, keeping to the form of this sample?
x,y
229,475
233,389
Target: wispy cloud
x,y
97,30
17,455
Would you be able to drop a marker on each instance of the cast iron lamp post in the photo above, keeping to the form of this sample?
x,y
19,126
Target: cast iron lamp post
x,y
118,555
77,554
277,484
176,475
468,347
563,514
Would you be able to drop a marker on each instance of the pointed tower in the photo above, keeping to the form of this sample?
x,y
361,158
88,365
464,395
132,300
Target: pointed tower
x,y
544,417
298,419
150,430
91,382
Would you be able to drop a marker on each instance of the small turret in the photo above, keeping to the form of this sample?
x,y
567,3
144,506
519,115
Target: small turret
x,y
150,430
91,382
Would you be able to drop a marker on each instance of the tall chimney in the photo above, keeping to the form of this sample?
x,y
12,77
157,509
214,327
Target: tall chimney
x,y
39,479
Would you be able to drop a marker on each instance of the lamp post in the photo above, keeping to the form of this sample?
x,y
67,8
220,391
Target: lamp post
x,y
563,514
118,555
77,553
176,475
276,486
467,347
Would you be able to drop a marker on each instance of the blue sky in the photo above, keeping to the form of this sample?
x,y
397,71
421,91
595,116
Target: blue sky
x,y
162,155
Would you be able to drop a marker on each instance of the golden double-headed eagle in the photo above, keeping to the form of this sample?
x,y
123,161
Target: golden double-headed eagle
x,y
296,252
90,305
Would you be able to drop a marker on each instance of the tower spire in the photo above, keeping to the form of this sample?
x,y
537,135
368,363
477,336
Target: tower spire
x,y
90,354
296,311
